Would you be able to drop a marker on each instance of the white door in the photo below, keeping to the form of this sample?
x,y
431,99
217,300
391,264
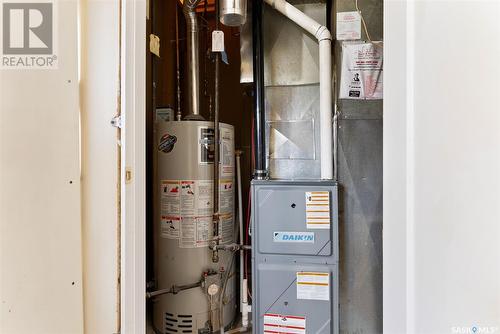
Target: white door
x,y
40,216
133,173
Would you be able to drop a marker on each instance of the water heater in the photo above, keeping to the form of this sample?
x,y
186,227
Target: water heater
x,y
184,228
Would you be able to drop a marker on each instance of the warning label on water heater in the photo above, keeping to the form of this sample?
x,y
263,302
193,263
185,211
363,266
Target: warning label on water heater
x,y
170,227
206,149
279,323
227,152
187,209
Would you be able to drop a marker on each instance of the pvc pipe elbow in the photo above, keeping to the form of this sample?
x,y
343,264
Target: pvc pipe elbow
x,y
323,33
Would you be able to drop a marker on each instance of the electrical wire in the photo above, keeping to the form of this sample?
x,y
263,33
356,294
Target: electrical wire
x,y
363,21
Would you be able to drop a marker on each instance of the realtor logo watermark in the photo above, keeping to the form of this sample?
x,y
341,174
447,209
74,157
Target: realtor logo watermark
x,y
28,35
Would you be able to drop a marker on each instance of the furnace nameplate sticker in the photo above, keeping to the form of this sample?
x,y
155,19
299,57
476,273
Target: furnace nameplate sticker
x,y
313,285
318,209
281,324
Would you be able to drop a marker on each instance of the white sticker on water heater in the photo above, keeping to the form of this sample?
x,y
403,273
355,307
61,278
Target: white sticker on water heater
x,y
170,197
227,152
318,209
170,227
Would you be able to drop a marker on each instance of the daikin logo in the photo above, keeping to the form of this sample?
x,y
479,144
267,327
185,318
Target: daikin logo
x,y
28,34
307,237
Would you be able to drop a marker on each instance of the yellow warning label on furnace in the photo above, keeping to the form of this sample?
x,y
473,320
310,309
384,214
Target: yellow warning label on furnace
x,y
318,209
313,285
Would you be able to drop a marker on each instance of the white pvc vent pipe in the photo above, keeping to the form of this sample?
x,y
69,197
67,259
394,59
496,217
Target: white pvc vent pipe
x,y
324,38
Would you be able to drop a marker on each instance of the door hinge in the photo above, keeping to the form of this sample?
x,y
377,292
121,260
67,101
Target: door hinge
x,y
117,121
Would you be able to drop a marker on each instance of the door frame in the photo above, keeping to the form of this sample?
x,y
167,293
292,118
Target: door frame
x,y
133,167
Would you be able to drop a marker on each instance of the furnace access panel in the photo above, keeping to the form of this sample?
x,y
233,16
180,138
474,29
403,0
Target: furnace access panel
x,y
295,257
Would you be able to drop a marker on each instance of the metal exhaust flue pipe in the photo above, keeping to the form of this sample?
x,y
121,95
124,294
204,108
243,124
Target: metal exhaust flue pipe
x,y
260,171
193,63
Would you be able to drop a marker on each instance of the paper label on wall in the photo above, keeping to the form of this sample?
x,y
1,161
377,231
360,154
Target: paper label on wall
x,y
170,227
313,285
348,26
318,209
362,71
279,323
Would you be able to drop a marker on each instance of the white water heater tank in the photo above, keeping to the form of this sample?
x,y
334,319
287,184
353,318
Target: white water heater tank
x,y
184,228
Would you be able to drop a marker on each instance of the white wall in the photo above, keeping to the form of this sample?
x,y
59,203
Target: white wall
x,y
40,224
441,167
99,88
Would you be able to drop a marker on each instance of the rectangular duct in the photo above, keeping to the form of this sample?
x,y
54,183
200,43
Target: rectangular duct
x,y
291,64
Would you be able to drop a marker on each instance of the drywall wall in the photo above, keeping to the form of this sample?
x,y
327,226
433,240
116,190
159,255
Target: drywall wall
x,y
99,97
40,218
441,163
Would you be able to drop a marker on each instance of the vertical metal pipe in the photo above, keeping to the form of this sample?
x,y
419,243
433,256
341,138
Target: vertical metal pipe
x,y
177,64
216,219
260,171
192,57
